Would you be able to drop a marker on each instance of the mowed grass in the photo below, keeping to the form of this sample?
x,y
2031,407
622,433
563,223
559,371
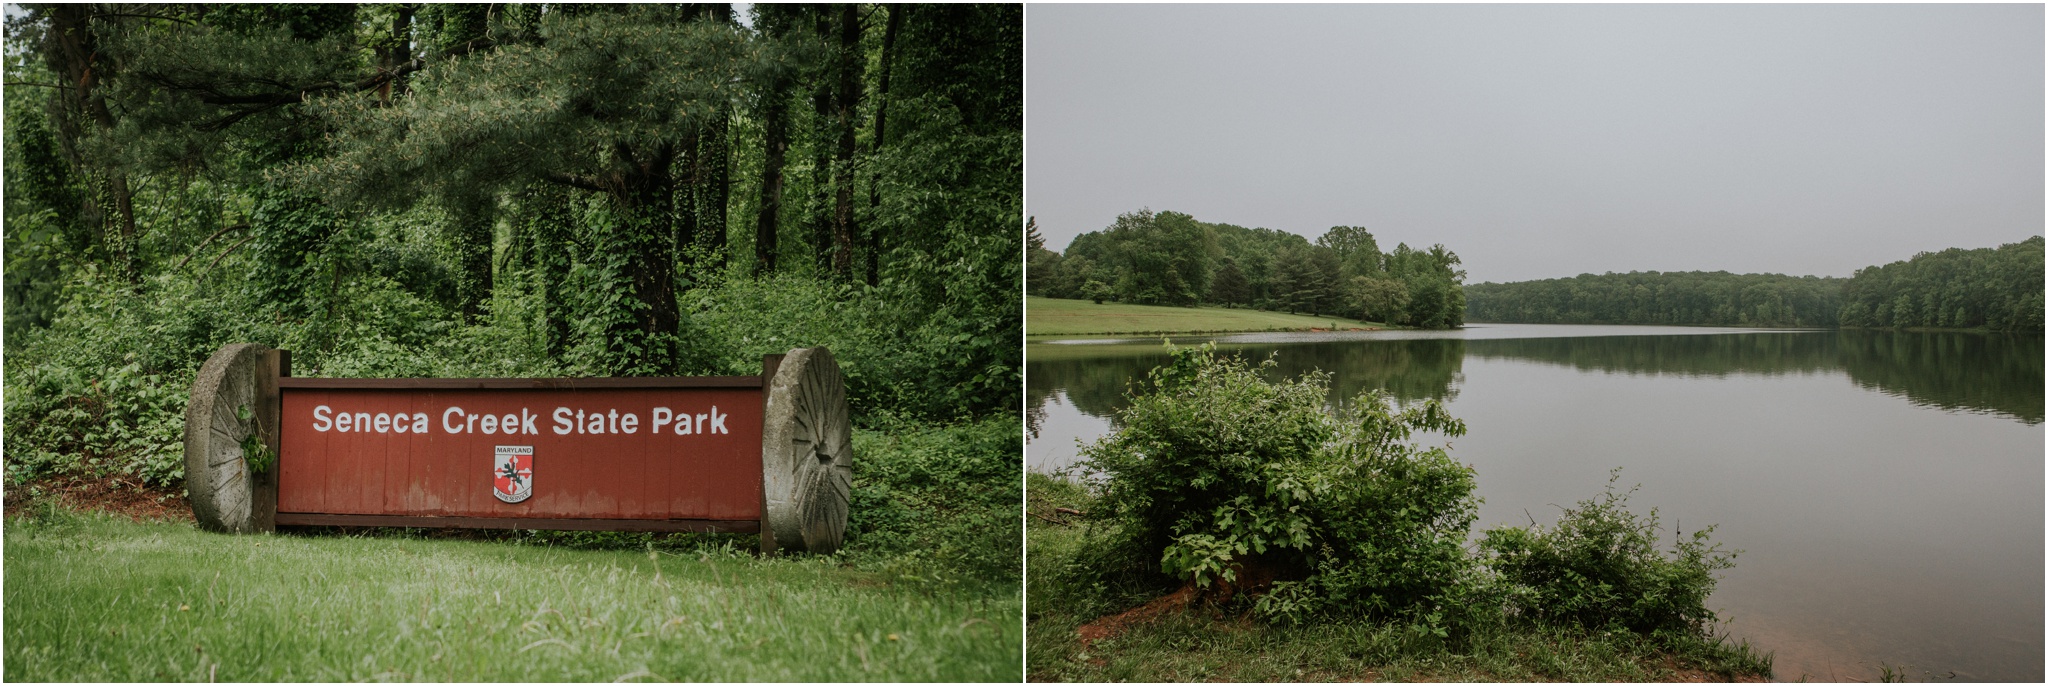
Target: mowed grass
x,y
1061,317
92,597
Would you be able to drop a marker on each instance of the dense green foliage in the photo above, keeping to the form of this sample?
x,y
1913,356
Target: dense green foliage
x,y
938,507
522,190
1994,288
1217,473
1672,298
1169,258
1999,289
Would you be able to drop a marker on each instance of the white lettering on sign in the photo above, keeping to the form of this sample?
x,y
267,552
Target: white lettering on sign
x,y
455,420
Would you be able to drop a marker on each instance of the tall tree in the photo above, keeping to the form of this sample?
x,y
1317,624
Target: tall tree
x,y
846,101
600,102
72,47
873,246
772,102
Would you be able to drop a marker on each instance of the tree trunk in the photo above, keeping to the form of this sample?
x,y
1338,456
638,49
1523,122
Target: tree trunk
x,y
844,225
874,236
645,242
775,142
470,235
73,49
713,177
398,52
685,208
547,216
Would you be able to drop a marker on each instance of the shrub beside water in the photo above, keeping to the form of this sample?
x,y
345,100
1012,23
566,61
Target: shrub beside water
x,y
1223,473
1601,566
1217,473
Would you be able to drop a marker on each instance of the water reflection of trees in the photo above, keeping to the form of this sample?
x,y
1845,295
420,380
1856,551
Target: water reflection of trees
x,y
1970,372
1997,374
1690,355
1409,370
1989,373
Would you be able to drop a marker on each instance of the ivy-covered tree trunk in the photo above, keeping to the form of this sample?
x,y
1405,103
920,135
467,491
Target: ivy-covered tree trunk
x,y
713,181
470,238
546,214
644,342
80,109
775,142
685,204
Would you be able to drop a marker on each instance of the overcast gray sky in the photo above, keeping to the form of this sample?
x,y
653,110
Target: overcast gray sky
x,y
1547,141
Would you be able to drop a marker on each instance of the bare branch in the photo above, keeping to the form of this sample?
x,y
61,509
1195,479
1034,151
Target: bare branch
x,y
573,181
186,22
223,255
209,239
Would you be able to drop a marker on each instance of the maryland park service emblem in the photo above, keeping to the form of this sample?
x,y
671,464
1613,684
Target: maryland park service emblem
x,y
512,473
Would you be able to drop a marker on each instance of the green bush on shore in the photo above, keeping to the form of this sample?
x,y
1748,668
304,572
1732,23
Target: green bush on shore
x,y
1217,476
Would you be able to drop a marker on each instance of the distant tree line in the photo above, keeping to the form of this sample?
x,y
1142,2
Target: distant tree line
x,y
1998,289
1673,298
1995,288
1170,258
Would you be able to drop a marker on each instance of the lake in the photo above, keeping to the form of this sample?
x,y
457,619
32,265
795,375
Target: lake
x,y
1885,487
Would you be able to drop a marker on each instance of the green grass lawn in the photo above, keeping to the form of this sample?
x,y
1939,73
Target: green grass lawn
x,y
1060,317
92,597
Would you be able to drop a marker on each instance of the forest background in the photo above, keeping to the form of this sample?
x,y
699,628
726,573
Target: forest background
x,y
1170,258
503,190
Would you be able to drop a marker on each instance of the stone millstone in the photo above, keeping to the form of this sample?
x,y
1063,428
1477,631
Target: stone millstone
x,y
807,453
225,496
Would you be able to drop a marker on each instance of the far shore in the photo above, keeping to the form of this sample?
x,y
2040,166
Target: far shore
x,y
1062,317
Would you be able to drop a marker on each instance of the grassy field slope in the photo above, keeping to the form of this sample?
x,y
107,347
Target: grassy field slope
x,y
1060,317
92,597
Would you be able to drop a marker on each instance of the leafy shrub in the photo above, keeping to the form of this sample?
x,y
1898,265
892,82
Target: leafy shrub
x,y
1600,566
1218,475
899,358
938,504
1216,470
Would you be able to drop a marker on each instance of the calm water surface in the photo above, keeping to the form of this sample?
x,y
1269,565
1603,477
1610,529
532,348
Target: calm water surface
x,y
1885,488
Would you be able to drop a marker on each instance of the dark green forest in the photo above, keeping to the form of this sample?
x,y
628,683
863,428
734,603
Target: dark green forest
x,y
1170,258
1673,298
1999,289
1993,288
506,190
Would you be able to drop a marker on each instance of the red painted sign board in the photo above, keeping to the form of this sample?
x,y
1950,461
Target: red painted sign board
x,y
768,454
588,453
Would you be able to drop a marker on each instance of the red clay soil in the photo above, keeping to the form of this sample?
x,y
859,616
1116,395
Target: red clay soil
x,y
1691,675
1112,625
1252,578
112,494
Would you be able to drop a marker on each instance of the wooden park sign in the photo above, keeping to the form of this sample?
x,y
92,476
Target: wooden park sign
x,y
768,454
